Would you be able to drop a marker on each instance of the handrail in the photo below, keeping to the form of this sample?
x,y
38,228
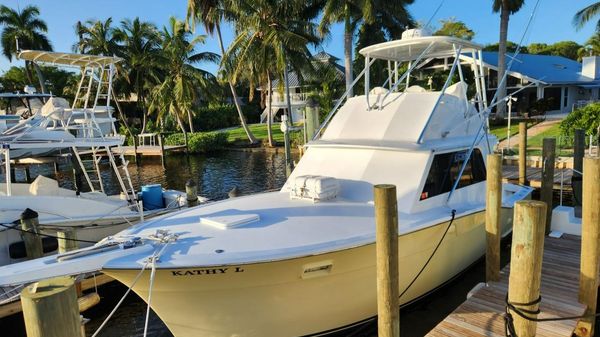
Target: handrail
x,y
340,100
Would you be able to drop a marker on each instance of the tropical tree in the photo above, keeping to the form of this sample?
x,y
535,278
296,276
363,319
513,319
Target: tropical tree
x,y
272,37
586,14
456,28
182,84
140,44
590,47
506,8
29,30
96,37
210,13
391,14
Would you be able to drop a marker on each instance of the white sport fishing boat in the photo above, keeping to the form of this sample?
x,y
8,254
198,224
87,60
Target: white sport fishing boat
x,y
301,261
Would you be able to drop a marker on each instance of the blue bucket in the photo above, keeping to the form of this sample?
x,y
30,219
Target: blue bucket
x,y
152,196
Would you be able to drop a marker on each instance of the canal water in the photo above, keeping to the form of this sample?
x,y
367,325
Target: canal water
x,y
217,174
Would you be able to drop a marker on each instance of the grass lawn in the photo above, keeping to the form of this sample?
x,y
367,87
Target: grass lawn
x,y
500,130
259,131
537,140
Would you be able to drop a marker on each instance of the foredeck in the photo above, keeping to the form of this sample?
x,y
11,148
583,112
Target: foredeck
x,y
483,313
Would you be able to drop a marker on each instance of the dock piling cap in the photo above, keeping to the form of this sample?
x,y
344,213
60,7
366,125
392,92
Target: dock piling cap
x,y
29,214
190,183
45,288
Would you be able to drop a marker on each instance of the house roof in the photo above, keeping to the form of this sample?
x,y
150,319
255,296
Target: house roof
x,y
326,60
547,69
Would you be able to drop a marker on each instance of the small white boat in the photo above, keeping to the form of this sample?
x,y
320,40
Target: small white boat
x,y
301,261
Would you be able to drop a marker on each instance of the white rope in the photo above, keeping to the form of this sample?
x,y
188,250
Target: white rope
x,y
121,300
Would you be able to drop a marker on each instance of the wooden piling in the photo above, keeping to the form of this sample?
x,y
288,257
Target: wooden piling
x,y
33,242
191,191
578,153
388,297
492,217
522,153
161,143
526,262
50,308
590,244
67,240
548,158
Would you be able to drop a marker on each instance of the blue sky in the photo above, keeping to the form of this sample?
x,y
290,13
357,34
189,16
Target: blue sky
x,y
552,21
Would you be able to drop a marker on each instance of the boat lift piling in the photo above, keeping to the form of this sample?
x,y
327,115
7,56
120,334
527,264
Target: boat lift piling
x,y
546,192
386,233
523,153
590,245
191,191
33,241
492,217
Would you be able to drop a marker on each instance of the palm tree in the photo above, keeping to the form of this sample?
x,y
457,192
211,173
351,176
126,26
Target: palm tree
x,y
591,47
182,83
96,37
506,8
26,27
140,49
583,16
354,12
272,36
210,13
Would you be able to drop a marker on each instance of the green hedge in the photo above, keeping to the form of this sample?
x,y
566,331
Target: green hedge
x,y
223,116
199,142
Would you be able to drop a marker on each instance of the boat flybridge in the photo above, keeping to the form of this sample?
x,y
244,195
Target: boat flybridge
x,y
301,261
86,131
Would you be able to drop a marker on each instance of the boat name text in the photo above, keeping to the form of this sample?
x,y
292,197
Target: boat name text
x,y
212,271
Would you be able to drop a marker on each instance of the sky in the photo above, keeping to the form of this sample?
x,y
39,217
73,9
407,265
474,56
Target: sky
x,y
551,22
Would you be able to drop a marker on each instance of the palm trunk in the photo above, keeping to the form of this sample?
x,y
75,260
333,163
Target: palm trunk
x,y
236,102
504,16
191,121
287,94
40,77
28,72
269,106
140,98
182,127
348,52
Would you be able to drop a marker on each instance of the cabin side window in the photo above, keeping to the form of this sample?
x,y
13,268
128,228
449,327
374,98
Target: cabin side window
x,y
445,169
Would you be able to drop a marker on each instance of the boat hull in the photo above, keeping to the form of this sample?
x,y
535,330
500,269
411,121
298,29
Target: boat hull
x,y
305,295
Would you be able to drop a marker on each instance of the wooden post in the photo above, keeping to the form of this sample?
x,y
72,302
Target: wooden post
x,y
388,294
50,308
191,191
234,192
67,240
492,217
27,174
526,261
311,123
162,149
548,158
578,153
590,244
522,153
33,242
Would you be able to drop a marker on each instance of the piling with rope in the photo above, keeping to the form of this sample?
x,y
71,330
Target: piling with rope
x,y
590,245
492,217
526,265
388,297
546,193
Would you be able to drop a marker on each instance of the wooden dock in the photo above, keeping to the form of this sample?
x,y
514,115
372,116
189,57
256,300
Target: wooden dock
x,y
534,176
146,150
483,313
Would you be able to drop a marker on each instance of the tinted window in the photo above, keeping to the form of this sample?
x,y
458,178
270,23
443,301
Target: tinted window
x,y
445,169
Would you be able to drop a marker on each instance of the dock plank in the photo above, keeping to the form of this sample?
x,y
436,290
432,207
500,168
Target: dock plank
x,y
483,313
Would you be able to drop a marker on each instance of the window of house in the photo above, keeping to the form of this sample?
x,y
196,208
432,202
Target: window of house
x,y
445,169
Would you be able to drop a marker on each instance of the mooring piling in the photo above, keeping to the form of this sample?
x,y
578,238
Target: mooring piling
x,y
191,192
29,226
522,153
50,308
590,245
548,159
492,217
67,240
388,294
526,263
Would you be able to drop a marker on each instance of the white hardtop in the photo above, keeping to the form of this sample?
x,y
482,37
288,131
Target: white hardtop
x,y
409,49
68,59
